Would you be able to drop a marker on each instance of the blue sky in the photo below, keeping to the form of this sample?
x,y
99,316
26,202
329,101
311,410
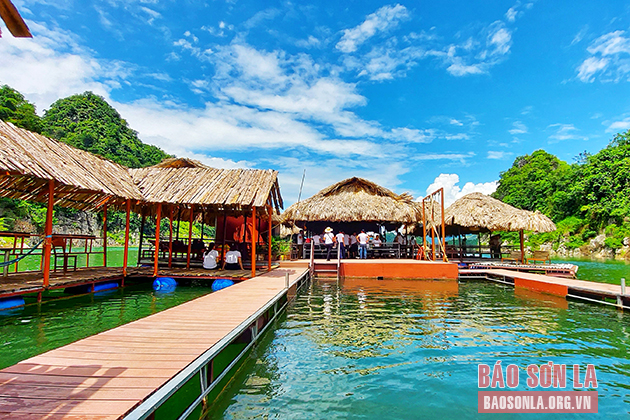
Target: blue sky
x,y
411,95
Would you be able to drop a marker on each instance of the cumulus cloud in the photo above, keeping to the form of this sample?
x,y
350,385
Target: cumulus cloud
x,y
383,20
498,155
452,191
562,132
518,128
609,59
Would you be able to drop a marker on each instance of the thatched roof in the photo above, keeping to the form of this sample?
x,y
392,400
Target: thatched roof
x,y
28,161
480,212
355,200
209,187
83,180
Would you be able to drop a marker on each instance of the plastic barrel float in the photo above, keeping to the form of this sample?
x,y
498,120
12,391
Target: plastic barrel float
x,y
164,284
219,284
11,302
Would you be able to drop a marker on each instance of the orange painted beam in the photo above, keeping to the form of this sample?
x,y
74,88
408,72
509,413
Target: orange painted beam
x,y
539,286
254,241
48,232
126,254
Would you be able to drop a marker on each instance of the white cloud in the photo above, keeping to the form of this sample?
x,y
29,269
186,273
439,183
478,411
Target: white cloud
x,y
580,35
609,58
510,15
452,191
383,20
563,132
518,128
498,155
618,125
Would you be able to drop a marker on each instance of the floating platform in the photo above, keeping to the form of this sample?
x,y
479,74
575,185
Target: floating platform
x,y
609,294
398,269
555,270
134,369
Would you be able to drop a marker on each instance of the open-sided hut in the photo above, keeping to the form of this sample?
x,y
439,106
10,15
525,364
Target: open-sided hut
x,y
354,203
477,212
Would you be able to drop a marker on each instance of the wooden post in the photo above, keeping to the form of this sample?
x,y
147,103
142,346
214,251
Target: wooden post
x,y
444,256
522,237
203,221
126,254
48,232
190,226
269,212
424,231
432,230
105,235
179,221
170,239
224,231
158,219
254,240
142,222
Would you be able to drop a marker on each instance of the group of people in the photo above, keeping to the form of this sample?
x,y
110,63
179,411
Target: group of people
x,y
232,260
352,246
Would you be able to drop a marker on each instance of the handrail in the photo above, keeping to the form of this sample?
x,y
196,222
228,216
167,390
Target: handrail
x,y
311,265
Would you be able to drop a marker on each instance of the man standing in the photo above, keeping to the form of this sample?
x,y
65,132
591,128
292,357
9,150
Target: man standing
x,y
354,245
329,241
300,243
363,243
341,244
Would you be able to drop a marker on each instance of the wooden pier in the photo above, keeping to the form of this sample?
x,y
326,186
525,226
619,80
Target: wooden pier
x,y
132,369
590,291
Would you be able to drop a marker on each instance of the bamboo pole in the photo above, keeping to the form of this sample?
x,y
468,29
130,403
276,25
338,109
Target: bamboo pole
x,y
48,232
105,235
522,238
158,219
444,256
269,212
126,254
254,237
432,230
190,228
424,231
170,239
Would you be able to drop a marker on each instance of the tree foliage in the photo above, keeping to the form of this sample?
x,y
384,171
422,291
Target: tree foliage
x,y
17,110
88,122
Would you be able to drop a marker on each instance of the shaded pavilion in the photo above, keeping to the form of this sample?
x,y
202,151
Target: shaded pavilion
x,y
477,212
36,168
354,204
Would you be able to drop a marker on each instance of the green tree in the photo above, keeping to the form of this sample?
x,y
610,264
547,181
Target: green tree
x,y
88,122
540,181
603,183
17,110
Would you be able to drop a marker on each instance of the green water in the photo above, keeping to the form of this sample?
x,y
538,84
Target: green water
x,y
389,350
34,329
604,271
114,258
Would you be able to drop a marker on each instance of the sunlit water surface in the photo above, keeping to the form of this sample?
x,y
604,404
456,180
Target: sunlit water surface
x,y
410,349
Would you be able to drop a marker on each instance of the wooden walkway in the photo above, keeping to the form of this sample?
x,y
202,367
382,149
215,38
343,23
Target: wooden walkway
x,y
580,289
108,374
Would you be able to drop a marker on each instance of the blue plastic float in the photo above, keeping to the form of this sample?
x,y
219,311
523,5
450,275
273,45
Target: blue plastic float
x,y
11,302
219,284
164,284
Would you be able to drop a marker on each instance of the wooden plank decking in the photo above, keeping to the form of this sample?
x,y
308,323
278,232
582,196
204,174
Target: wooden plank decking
x,y
106,375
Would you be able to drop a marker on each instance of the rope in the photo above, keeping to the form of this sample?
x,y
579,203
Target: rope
x,y
22,256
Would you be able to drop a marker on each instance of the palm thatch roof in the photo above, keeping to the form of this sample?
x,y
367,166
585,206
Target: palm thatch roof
x,y
480,212
28,161
208,187
355,200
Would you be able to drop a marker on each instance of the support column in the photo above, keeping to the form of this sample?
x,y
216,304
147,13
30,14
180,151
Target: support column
x,y
424,231
126,254
269,212
105,235
444,256
254,240
223,239
48,232
190,226
170,239
158,219
522,238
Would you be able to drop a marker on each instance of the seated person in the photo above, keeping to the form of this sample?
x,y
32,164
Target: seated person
x,y
377,241
210,257
197,247
232,260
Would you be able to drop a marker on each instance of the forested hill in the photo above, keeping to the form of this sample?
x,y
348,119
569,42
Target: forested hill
x,y
587,199
85,121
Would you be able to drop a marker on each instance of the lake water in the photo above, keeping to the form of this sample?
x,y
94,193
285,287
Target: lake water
x,y
34,329
604,271
407,350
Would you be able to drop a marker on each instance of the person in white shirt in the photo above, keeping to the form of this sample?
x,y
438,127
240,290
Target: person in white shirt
x,y
329,241
317,239
363,243
300,243
341,244
210,257
400,239
232,260
377,240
